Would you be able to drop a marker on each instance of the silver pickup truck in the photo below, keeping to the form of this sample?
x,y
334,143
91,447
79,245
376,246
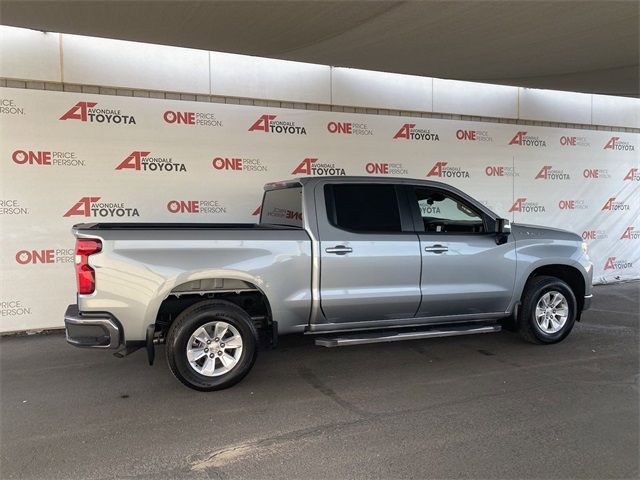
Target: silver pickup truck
x,y
350,260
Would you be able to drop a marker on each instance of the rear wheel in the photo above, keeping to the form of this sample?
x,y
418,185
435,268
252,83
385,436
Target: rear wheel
x,y
548,310
211,345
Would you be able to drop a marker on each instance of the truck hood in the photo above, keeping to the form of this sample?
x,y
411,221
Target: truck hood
x,y
520,230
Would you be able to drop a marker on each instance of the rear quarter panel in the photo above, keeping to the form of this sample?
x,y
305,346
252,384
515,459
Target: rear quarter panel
x,y
136,270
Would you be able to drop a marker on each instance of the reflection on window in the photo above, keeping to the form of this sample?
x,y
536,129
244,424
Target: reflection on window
x,y
283,207
442,213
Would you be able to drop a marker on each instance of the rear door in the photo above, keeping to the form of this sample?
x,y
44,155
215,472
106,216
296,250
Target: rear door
x,y
370,255
466,270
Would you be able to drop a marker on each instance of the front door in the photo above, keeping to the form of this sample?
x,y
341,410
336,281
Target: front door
x,y
370,255
465,271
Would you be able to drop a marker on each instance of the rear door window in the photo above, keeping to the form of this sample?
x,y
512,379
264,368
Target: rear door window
x,y
363,208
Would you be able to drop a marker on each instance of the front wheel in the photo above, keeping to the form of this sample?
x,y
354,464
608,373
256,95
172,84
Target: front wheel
x,y
211,345
548,310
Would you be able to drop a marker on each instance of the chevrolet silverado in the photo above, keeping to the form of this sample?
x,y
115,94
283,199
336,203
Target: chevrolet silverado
x,y
350,260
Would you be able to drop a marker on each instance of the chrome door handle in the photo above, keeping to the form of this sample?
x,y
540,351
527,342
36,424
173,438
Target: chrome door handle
x,y
339,250
436,248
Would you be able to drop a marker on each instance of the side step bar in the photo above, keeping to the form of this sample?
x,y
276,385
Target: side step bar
x,y
380,337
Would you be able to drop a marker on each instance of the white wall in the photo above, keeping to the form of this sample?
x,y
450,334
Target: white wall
x,y
52,57
592,188
59,168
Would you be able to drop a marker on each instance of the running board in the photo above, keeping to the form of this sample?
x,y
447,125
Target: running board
x,y
380,337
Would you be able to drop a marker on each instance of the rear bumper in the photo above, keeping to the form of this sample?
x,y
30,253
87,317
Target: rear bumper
x,y
89,329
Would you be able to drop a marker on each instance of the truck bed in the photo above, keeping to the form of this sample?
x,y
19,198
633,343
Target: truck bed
x,y
181,226
141,264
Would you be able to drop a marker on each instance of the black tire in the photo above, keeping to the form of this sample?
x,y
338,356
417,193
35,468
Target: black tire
x,y
535,288
194,317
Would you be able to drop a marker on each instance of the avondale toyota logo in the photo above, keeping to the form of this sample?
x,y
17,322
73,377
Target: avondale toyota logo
x,y
615,143
143,161
548,173
46,158
440,169
633,175
523,139
87,112
630,234
612,205
91,207
521,205
311,166
613,263
408,131
269,124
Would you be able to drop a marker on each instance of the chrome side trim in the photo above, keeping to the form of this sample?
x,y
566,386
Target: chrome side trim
x,y
402,322
400,336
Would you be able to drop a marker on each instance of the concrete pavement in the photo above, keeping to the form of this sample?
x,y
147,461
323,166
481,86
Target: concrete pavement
x,y
483,406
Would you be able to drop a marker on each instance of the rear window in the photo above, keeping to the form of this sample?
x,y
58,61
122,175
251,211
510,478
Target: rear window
x,y
282,207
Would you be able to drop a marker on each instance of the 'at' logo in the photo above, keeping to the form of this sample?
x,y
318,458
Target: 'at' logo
x,y
517,205
436,170
609,204
610,263
262,124
517,139
133,160
611,143
257,211
82,207
628,234
632,175
305,166
544,172
405,131
78,111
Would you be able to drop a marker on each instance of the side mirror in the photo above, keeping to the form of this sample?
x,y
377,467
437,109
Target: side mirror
x,y
503,226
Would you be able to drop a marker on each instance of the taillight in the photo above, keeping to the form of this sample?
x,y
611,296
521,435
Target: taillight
x,y
85,275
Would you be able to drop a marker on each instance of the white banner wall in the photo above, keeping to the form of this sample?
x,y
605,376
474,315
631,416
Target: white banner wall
x,y
69,158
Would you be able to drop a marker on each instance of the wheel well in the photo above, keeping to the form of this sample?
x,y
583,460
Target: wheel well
x,y
244,294
570,275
